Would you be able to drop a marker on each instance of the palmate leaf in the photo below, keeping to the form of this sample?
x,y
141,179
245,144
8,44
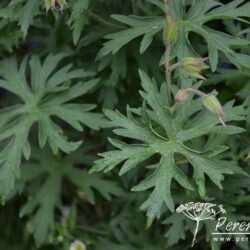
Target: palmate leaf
x,y
159,132
47,96
194,20
50,172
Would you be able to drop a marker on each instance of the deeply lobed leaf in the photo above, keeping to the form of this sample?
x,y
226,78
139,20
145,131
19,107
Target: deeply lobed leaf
x,y
43,98
154,134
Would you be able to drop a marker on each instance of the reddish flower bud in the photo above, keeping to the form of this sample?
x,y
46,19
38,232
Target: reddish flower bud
x,y
181,95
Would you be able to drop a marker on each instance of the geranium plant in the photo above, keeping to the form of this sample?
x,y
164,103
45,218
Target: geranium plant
x,y
122,120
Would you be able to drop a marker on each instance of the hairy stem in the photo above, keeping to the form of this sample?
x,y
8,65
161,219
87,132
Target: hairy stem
x,y
196,91
174,66
168,72
167,62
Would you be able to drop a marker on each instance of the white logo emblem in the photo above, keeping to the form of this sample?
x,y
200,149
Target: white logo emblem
x,y
199,212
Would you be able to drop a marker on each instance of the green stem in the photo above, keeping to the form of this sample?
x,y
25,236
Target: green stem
x,y
174,66
92,230
103,21
166,6
197,92
167,62
134,6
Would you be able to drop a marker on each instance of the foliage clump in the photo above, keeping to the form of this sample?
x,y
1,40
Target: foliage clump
x,y
153,95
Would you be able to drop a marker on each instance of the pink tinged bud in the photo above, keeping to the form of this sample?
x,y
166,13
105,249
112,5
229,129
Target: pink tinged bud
x,y
194,66
212,104
181,95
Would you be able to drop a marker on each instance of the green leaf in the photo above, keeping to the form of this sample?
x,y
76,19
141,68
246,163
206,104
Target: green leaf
x,y
161,181
43,99
28,12
196,18
176,231
154,134
89,183
139,26
44,201
78,18
192,20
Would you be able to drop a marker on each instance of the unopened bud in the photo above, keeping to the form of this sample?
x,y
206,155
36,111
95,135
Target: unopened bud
x,y
170,30
213,105
52,4
194,66
181,95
